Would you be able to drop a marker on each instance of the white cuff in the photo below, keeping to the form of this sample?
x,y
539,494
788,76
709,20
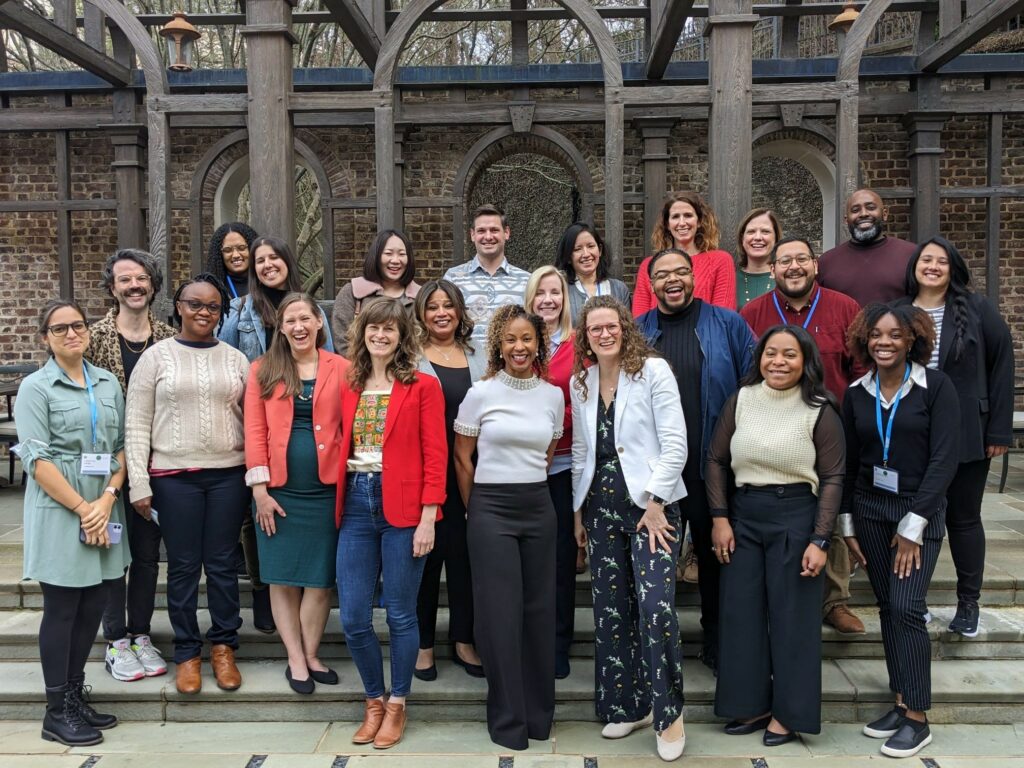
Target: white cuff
x,y
844,525
468,430
257,475
912,527
558,433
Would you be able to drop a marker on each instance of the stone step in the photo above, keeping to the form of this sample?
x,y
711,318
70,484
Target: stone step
x,y
853,690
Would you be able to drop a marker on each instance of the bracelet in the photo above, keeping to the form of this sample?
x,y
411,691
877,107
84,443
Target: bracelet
x,y
83,501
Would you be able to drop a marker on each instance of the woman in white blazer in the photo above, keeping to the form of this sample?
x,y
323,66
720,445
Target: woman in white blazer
x,y
628,452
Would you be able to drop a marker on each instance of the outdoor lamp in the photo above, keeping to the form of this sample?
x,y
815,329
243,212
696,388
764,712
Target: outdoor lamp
x,y
181,37
844,20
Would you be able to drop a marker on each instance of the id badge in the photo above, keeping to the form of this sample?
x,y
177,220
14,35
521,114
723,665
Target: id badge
x,y
887,479
96,464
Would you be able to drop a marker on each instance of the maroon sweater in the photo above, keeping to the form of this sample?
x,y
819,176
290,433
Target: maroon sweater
x,y
867,273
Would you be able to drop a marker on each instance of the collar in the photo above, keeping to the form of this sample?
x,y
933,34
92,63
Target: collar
x,y
474,265
55,374
917,376
362,288
810,300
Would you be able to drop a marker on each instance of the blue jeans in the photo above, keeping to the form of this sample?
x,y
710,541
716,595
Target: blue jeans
x,y
368,545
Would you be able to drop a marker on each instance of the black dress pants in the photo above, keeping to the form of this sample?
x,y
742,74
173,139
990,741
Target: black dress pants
x,y
560,486
71,616
139,594
964,529
450,552
511,534
694,510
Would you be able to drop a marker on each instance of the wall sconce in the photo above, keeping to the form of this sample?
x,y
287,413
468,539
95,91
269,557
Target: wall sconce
x,y
181,37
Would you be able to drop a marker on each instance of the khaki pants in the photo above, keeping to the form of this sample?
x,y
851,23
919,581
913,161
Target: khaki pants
x,y
837,575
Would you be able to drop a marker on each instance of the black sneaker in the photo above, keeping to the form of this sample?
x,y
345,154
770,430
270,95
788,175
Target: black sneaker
x,y
966,620
887,724
910,739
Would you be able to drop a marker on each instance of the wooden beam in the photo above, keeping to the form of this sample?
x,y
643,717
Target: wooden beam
x,y
973,29
14,15
949,16
614,161
665,36
789,47
357,29
520,36
64,255
994,203
925,133
384,143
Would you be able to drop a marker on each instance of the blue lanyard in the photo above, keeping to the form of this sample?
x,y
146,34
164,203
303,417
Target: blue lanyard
x,y
92,406
887,437
231,286
782,317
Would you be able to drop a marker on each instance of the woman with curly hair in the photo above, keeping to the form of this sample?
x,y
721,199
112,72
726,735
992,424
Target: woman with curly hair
x,y
628,452
688,223
394,451
512,419
902,422
228,256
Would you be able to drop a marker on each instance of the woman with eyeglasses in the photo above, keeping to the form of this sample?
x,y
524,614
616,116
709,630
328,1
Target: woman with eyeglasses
x,y
228,257
71,437
184,441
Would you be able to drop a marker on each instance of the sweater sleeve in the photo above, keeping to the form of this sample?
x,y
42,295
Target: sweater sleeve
x,y
467,422
830,465
643,298
341,318
719,460
139,411
723,293
999,364
844,523
621,292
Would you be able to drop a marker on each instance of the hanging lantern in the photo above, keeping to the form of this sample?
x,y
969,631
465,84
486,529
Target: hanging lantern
x,y
844,20
181,37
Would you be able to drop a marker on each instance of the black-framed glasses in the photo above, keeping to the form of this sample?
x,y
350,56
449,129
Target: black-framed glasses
x,y
61,329
803,260
195,305
682,272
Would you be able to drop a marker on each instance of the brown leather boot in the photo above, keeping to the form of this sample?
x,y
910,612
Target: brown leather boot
x,y
222,659
392,728
844,621
189,676
372,718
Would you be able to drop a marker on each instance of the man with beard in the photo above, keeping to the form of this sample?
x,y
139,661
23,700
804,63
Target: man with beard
x,y
870,266
133,278
825,314
709,349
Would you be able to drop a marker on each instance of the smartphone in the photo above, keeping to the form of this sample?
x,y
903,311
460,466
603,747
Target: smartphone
x,y
154,516
113,529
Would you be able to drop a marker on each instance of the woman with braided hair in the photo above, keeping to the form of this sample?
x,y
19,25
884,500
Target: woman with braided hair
x,y
973,347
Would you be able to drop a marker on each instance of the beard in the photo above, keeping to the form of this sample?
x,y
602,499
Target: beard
x,y
796,293
866,235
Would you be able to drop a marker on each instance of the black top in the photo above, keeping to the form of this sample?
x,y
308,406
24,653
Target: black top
x,y
240,283
680,345
923,448
197,344
455,383
129,356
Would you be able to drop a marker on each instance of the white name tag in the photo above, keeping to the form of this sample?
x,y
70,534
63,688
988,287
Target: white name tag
x,y
887,479
96,464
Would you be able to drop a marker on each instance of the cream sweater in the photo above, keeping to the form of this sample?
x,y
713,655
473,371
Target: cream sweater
x,y
184,411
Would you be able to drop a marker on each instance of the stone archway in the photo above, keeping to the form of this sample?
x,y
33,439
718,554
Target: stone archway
x,y
818,165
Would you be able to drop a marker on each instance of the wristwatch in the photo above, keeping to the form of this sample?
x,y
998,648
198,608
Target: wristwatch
x,y
658,500
822,544
115,492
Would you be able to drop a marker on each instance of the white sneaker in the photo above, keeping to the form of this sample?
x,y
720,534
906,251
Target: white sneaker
x,y
121,663
149,656
622,730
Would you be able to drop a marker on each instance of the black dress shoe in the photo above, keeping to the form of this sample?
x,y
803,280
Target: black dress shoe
x,y
306,686
739,728
771,739
325,677
426,675
561,668
262,615
473,670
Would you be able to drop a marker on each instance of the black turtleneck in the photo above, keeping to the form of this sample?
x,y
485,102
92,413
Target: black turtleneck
x,y
679,345
240,284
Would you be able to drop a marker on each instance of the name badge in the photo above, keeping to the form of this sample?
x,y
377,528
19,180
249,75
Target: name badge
x,y
887,479
96,464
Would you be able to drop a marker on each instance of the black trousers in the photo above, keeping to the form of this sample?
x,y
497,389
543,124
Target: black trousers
x,y
964,528
511,532
251,551
139,593
450,552
694,510
201,517
901,602
770,644
560,486
71,617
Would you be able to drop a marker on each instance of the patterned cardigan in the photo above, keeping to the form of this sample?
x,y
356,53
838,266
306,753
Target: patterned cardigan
x,y
104,350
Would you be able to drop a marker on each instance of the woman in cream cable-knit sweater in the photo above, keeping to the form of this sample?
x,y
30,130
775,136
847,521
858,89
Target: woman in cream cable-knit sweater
x,y
782,437
186,461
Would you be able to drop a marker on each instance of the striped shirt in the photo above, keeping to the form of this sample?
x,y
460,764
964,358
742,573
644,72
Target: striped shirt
x,y
484,292
936,316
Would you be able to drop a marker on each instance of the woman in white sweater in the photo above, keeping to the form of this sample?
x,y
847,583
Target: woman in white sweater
x,y
184,442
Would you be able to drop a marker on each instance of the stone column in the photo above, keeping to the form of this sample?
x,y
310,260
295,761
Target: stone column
x,y
655,133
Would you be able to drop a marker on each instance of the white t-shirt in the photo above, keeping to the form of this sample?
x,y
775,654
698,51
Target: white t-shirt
x,y
514,421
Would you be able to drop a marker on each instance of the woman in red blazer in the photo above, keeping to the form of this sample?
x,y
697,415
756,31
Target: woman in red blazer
x,y
395,453
292,429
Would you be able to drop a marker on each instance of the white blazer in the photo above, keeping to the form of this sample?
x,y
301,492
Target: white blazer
x,y
650,434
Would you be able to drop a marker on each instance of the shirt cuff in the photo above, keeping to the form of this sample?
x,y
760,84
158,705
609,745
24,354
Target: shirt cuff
x,y
558,433
719,512
912,527
468,430
844,525
257,476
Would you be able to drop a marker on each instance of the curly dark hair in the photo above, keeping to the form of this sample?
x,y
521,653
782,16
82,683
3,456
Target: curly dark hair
x,y
634,351
214,259
957,292
143,259
464,329
563,256
502,317
203,277
912,321
403,365
812,382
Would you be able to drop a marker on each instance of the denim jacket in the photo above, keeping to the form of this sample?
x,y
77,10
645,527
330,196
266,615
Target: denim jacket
x,y
727,346
243,330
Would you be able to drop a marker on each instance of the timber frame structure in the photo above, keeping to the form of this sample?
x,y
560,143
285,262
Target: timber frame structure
x,y
740,99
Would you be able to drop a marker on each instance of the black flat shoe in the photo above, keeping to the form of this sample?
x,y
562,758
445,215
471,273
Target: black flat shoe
x,y
473,670
325,677
561,668
771,739
426,675
306,686
739,728
262,615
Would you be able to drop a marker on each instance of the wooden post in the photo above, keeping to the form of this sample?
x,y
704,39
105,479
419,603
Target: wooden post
x,y
731,32
655,132
614,151
128,167
520,35
384,142
925,130
269,40
949,16
64,256
847,160
993,204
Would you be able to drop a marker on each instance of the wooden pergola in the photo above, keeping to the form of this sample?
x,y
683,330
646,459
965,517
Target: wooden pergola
x,y
731,91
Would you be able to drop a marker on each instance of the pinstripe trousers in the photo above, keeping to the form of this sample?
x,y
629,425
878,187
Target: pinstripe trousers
x,y
901,602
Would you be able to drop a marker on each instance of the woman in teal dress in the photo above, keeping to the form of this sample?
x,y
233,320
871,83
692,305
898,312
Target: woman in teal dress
x,y
292,428
70,417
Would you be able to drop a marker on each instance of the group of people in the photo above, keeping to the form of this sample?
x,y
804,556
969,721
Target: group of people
x,y
492,424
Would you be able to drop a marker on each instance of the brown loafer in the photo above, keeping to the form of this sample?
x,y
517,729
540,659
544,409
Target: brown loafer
x,y
392,728
844,621
372,718
189,676
222,659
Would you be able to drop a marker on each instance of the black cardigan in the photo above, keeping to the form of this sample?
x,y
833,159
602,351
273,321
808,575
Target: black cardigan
x,y
986,417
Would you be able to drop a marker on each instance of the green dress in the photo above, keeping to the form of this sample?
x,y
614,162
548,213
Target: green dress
x,y
302,553
54,423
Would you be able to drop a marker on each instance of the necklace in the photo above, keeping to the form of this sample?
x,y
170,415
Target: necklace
x,y
446,355
302,394
132,349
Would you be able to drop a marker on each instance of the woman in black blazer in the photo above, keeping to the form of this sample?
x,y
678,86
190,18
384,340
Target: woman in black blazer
x,y
973,347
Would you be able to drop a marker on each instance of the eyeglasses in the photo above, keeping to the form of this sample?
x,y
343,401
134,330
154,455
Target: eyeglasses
x,y
666,274
127,280
597,331
227,250
195,305
61,329
802,261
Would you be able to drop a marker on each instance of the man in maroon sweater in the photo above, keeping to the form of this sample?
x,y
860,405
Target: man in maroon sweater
x,y
825,314
869,266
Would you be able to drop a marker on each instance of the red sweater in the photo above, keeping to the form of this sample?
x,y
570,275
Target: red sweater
x,y
559,373
714,282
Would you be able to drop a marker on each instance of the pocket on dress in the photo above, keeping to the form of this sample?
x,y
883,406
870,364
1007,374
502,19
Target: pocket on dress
x,y
67,416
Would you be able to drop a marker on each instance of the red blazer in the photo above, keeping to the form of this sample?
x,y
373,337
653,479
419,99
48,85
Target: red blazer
x,y
268,425
415,451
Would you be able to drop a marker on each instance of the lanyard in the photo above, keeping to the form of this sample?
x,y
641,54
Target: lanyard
x,y
231,286
782,317
94,414
887,437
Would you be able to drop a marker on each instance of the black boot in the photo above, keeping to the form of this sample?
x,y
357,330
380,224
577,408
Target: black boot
x,y
80,692
63,723
262,615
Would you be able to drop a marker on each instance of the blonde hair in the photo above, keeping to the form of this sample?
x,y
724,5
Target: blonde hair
x,y
533,285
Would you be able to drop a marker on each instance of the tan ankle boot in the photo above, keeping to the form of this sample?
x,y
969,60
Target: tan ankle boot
x,y
372,718
392,728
